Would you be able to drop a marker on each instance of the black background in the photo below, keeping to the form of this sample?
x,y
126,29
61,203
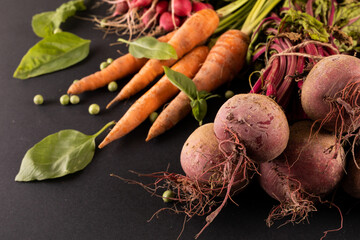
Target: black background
x,y
91,204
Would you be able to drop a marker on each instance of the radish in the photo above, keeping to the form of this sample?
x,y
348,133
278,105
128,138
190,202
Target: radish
x,y
148,16
166,22
161,7
309,169
140,3
121,7
181,8
197,6
257,122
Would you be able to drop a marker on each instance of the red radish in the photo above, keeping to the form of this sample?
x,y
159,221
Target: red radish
x,y
121,8
256,121
161,7
309,169
351,183
181,8
166,21
140,3
197,6
147,16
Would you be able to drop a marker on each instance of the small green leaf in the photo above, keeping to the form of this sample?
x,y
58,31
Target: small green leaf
x,y
44,24
52,53
149,47
182,82
199,109
58,154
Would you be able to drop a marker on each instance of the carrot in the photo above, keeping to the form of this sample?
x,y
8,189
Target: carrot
x,y
119,68
224,61
156,96
194,31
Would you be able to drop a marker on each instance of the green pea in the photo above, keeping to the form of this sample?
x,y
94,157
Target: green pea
x,y
229,94
167,195
74,99
64,99
109,60
153,116
94,109
38,99
103,65
112,86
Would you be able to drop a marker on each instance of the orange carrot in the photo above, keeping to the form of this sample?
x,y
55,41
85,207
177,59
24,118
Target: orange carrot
x,y
193,32
156,96
119,68
225,60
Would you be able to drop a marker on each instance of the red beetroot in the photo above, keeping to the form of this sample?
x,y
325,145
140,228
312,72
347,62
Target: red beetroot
x,y
256,121
330,93
202,160
310,168
181,8
166,22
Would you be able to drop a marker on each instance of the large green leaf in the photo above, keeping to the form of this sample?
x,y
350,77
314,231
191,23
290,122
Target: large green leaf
x,y
58,154
52,53
149,47
44,24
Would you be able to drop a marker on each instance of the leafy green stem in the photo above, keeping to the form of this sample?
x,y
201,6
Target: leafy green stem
x,y
104,128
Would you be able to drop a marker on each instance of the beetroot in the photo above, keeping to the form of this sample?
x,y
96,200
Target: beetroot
x,y
330,93
256,121
201,158
309,169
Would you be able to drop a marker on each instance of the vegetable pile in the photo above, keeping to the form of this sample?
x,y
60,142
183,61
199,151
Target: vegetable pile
x,y
294,129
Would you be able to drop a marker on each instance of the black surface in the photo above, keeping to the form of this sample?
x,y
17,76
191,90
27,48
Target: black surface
x,y
90,204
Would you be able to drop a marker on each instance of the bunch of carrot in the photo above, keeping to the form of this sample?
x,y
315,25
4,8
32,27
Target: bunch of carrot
x,y
208,69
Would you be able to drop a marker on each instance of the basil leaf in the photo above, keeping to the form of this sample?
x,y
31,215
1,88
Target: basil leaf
x,y
44,24
182,82
52,53
58,154
149,47
199,109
